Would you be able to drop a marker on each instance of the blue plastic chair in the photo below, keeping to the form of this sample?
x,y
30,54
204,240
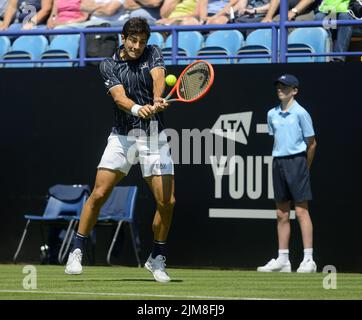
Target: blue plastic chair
x,y
156,38
26,47
222,42
257,42
308,40
189,42
118,209
65,203
4,45
64,46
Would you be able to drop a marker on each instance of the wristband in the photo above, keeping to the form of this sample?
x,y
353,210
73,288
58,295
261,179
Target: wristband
x,y
135,109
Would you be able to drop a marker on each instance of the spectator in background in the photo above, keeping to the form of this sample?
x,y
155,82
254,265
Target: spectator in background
x,y
104,11
248,11
223,15
173,11
26,14
66,12
243,11
329,10
208,12
148,9
3,4
300,10
117,12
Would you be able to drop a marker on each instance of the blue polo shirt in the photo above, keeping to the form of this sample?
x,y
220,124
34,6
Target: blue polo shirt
x,y
290,129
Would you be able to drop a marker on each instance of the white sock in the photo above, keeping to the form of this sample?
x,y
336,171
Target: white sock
x,y
308,254
283,255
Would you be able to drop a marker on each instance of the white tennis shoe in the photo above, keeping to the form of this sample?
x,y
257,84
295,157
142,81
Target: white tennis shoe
x,y
307,266
157,267
276,266
74,263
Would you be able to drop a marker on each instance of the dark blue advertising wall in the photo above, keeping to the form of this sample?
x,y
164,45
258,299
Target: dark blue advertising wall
x,y
54,128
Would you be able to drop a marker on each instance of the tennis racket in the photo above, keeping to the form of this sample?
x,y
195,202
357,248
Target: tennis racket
x,y
193,83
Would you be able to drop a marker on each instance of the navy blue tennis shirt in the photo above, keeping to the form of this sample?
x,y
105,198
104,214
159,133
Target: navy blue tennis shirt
x,y
135,77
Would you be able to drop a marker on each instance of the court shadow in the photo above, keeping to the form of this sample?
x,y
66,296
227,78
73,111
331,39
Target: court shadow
x,y
125,280
118,280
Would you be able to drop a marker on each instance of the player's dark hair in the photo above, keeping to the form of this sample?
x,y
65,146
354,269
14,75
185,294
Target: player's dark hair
x,y
136,25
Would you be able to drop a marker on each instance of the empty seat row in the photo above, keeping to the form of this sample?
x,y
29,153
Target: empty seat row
x,y
301,40
190,43
38,47
232,42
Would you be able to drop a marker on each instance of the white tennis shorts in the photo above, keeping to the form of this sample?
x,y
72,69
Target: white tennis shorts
x,y
152,152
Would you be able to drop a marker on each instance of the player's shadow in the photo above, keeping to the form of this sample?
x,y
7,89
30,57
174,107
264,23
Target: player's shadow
x,y
118,280
125,280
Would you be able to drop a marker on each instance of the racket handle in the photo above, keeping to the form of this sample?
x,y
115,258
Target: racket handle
x,y
171,100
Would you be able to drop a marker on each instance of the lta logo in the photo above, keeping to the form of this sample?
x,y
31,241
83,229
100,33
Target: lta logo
x,y
234,126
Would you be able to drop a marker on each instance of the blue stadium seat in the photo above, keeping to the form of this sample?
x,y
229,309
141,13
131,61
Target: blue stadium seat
x,y
64,46
119,209
257,42
4,45
156,38
189,42
222,42
311,40
64,204
28,48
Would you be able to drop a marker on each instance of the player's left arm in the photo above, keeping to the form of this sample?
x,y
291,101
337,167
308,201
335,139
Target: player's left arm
x,y
158,76
157,71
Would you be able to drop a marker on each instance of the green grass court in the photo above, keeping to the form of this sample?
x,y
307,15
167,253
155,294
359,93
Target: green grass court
x,y
137,283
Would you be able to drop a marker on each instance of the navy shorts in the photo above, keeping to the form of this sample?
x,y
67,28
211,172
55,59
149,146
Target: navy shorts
x,y
291,178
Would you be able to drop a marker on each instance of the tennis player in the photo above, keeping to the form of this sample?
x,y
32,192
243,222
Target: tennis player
x,y
134,77
293,152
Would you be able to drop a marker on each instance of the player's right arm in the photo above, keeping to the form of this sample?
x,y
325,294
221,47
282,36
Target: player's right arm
x,y
118,93
124,103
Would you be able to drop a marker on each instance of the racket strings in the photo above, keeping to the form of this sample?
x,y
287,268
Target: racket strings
x,y
195,81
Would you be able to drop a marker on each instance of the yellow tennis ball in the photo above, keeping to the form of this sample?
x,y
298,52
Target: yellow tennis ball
x,y
171,80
